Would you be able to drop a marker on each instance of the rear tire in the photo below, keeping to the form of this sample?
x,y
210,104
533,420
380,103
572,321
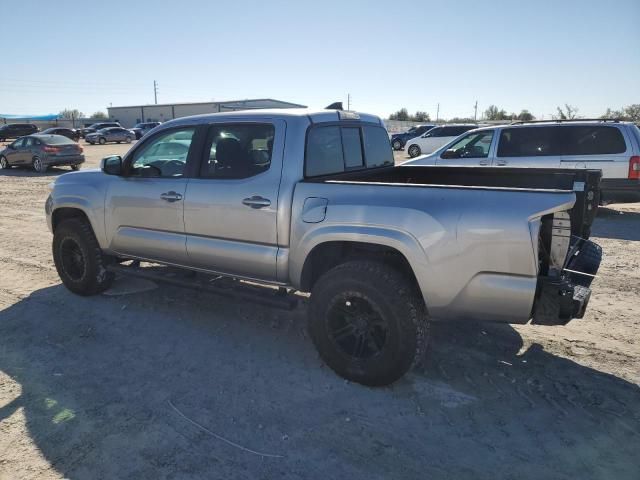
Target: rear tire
x,y
127,139
102,140
79,260
75,168
414,151
38,166
4,163
368,322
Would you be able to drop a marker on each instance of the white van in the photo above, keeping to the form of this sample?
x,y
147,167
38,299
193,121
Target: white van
x,y
609,145
435,138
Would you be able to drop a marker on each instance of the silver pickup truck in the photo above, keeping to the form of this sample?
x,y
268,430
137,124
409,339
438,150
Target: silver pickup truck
x,y
290,201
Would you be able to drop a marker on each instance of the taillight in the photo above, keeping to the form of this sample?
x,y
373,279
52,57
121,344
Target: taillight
x,y
634,167
80,149
49,149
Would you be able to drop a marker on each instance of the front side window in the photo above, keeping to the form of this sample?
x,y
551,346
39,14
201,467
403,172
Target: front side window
x,y
473,145
164,156
238,151
19,143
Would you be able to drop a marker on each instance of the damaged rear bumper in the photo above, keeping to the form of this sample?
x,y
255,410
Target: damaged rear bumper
x,y
563,297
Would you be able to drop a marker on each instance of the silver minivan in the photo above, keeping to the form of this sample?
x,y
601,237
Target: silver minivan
x,y
609,145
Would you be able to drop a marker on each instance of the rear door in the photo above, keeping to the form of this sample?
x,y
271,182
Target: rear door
x,y
230,210
603,147
529,146
144,210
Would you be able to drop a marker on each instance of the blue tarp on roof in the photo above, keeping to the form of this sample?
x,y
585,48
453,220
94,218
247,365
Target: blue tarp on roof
x,y
49,116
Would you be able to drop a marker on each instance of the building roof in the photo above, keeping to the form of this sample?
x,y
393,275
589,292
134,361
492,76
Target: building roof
x,y
214,102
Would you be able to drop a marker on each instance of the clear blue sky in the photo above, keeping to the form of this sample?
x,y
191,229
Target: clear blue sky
x,y
515,54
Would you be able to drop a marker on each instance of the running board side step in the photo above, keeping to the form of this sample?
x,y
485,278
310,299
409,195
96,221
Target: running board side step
x,y
228,287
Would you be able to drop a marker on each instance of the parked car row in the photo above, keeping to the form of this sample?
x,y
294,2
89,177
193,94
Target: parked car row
x,y
610,146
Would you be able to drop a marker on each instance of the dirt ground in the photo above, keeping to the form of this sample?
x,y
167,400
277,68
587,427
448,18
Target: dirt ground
x,y
176,384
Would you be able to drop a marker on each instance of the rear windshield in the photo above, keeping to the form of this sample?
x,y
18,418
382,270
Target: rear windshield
x,y
335,149
561,140
56,140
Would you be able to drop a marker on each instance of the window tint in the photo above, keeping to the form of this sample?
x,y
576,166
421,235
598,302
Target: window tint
x,y
238,151
590,140
29,142
352,147
377,148
324,151
435,132
473,145
59,140
528,142
164,156
18,143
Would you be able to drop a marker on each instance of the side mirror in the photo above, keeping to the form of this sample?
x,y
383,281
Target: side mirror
x,y
451,153
111,165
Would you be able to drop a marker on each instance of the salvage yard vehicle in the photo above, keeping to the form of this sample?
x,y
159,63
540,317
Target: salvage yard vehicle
x,y
435,138
110,134
398,140
42,151
141,129
310,201
93,128
16,130
609,145
71,133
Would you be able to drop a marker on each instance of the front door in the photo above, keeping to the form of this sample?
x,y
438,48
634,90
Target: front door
x,y
144,208
230,210
17,154
472,149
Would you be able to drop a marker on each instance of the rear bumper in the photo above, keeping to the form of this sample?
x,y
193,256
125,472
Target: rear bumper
x,y
620,190
66,160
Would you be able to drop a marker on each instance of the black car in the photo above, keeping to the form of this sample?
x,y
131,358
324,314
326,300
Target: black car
x,y
71,133
398,140
140,129
97,126
15,130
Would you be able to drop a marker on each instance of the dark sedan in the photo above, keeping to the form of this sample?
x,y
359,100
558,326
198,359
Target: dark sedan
x,y
71,133
41,152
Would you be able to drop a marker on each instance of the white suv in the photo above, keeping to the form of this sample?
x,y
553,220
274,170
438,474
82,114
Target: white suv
x,y
435,138
609,145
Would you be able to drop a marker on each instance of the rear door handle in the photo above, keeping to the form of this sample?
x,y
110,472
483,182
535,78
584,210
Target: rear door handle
x,y
501,162
256,202
484,162
171,196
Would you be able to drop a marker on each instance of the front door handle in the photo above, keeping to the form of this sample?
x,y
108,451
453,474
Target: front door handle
x,y
256,202
483,162
501,162
171,196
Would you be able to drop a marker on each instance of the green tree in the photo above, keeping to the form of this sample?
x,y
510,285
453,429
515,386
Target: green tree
x,y
421,117
70,114
632,112
401,114
493,113
525,116
99,116
569,112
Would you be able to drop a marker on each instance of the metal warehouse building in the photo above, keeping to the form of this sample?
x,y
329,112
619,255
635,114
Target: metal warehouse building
x,y
129,116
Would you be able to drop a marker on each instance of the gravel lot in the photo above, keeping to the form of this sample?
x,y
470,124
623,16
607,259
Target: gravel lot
x,y
171,383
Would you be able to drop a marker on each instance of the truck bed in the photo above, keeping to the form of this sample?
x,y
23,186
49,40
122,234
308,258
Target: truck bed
x,y
584,183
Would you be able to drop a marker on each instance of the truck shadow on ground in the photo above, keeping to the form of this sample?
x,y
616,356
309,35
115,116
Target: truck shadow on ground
x,y
94,378
618,224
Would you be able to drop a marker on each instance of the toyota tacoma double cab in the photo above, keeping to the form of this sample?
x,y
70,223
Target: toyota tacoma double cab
x,y
278,202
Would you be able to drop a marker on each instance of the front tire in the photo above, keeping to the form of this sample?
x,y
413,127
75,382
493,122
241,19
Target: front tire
x,y
368,322
414,151
38,166
75,168
397,145
4,163
79,260
127,139
102,140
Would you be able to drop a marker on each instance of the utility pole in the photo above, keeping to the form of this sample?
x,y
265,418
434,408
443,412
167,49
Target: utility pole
x,y
348,101
155,91
475,112
438,113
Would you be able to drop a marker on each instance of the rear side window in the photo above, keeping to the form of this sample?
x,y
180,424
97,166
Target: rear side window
x,y
334,149
528,142
591,140
377,148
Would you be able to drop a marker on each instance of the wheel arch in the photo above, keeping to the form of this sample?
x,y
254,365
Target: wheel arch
x,y
395,248
64,213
